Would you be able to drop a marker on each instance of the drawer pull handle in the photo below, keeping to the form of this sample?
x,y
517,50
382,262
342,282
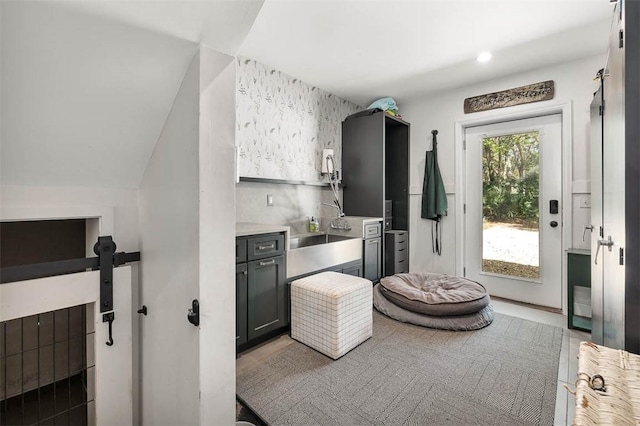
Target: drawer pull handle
x,y
400,261
400,249
269,262
400,242
266,325
271,246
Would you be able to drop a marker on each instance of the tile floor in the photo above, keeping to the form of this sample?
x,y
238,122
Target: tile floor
x,y
567,369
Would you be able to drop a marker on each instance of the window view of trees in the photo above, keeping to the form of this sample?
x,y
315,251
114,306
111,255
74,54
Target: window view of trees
x,y
510,189
510,178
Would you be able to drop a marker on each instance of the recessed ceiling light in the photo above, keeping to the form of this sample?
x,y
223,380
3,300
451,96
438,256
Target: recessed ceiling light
x,y
484,57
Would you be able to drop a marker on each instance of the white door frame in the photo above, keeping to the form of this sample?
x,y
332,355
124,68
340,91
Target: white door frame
x,y
114,364
517,113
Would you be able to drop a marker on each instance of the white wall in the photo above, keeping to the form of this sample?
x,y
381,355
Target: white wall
x,y
169,239
283,124
187,229
573,83
217,236
292,204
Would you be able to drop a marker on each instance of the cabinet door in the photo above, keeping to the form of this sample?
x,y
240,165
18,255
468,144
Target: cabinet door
x,y
372,259
266,301
241,303
355,270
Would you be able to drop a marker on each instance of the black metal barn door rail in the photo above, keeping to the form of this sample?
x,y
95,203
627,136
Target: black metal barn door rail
x,y
107,259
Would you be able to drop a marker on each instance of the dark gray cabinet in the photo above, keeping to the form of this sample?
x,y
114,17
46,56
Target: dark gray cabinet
x,y
397,252
261,300
372,251
578,284
266,298
353,269
375,170
372,259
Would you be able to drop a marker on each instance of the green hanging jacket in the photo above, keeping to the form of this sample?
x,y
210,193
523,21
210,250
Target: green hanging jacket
x,y
434,197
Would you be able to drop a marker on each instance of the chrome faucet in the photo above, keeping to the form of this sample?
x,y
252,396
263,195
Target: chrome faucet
x,y
338,222
340,213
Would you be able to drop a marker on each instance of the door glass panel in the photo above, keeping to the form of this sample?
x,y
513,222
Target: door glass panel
x,y
510,207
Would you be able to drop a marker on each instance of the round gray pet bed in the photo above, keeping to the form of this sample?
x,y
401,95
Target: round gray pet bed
x,y
435,294
461,323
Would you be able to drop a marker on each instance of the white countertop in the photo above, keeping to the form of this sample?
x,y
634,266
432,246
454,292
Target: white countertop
x,y
247,228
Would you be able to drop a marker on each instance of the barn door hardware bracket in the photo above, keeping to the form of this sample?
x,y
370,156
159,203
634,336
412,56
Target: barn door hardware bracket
x,y
105,248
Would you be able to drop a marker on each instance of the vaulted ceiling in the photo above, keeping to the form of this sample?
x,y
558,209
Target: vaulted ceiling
x,y
86,85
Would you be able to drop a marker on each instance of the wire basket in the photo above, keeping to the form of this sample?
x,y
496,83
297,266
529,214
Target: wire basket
x,y
608,386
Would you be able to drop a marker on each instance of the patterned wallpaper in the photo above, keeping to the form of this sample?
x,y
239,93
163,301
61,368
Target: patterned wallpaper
x,y
284,124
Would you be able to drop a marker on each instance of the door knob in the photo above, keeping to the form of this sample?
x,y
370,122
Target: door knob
x,y
608,243
553,223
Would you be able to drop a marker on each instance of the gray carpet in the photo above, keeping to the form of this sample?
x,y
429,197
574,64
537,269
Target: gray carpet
x,y
504,374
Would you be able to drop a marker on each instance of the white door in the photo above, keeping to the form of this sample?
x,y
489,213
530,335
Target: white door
x,y
513,219
597,323
609,316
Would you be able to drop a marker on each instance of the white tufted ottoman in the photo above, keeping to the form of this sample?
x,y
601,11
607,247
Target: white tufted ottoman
x,y
331,312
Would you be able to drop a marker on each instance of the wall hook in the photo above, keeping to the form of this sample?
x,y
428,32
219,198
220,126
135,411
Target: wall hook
x,y
193,316
109,318
143,310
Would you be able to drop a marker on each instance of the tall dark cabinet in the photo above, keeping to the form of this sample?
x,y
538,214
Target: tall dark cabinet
x,y
375,169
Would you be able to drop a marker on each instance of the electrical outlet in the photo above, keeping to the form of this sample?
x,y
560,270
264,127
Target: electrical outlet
x,y
269,200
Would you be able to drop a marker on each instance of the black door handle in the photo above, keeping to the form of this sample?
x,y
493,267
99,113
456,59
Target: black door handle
x,y
553,224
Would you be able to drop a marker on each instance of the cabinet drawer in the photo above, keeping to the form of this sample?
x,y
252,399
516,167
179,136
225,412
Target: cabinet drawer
x,y
265,246
400,254
401,266
241,250
372,230
400,243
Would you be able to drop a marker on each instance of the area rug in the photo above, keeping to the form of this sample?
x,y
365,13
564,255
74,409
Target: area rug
x,y
504,374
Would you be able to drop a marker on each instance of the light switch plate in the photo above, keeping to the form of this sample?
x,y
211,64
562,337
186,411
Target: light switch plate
x,y
269,200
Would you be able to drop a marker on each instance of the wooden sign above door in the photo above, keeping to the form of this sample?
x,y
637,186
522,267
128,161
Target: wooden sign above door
x,y
537,92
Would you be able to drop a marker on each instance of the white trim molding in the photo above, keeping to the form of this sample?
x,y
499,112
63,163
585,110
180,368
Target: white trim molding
x,y
518,113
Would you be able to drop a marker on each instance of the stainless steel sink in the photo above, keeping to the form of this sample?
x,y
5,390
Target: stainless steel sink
x,y
296,242
309,253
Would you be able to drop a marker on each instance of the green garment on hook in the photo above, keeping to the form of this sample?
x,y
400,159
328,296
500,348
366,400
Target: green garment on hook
x,y
434,197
